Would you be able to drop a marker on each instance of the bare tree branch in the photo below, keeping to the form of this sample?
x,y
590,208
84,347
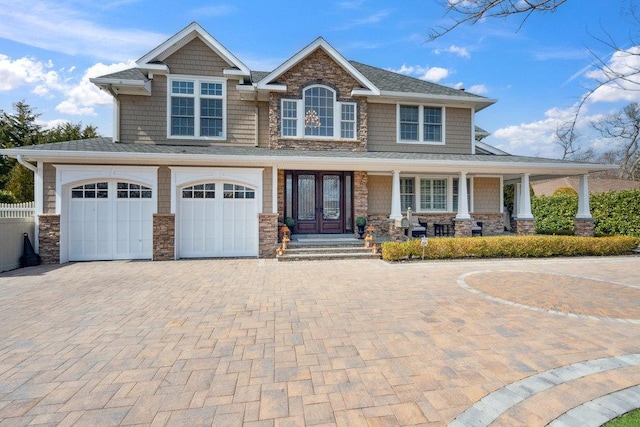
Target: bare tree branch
x,y
466,11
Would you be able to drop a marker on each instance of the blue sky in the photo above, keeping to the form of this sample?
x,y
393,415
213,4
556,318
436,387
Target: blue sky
x,y
537,70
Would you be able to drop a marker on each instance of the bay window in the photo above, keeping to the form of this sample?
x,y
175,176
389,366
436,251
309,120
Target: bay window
x,y
196,108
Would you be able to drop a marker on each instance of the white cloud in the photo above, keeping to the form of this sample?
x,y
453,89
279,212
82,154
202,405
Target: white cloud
x,y
456,50
539,137
373,18
435,74
83,97
478,89
432,74
621,63
28,71
53,26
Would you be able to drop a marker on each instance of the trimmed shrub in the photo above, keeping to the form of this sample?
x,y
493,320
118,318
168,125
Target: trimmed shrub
x,y
554,214
565,191
616,212
509,247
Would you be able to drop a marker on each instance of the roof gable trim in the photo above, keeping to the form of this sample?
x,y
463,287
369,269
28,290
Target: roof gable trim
x,y
183,37
319,43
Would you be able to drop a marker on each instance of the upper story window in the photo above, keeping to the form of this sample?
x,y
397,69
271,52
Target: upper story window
x,y
318,115
420,124
196,108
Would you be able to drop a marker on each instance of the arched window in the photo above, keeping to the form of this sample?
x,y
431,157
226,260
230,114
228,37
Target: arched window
x,y
318,115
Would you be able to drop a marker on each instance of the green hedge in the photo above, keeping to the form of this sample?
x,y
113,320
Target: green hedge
x,y
614,212
509,247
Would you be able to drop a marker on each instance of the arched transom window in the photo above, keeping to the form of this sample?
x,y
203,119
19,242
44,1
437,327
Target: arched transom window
x,y
318,115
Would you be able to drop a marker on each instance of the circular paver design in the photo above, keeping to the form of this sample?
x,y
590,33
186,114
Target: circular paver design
x,y
557,293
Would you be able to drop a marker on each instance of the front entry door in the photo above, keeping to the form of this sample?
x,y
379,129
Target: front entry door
x,y
319,202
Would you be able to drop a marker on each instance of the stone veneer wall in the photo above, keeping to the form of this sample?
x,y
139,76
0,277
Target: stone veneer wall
x,y
164,237
317,68
492,223
584,227
49,238
462,227
268,231
360,196
525,226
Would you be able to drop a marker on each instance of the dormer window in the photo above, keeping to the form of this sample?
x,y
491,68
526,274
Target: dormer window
x,y
318,115
196,108
420,124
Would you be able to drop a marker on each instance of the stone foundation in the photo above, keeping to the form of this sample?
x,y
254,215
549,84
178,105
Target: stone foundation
x,y
268,230
525,227
462,227
164,237
584,227
49,237
360,197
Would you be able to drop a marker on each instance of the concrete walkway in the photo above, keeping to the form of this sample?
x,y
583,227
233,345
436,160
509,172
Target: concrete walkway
x,y
347,343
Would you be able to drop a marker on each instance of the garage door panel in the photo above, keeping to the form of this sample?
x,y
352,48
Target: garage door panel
x,y
226,225
106,222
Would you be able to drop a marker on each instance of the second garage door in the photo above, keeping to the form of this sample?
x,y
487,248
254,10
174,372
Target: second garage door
x,y
217,219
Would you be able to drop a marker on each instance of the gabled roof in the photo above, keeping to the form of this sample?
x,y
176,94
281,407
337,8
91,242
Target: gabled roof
x,y
267,81
193,30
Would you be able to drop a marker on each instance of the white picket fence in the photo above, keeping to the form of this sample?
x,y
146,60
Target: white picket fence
x,y
17,210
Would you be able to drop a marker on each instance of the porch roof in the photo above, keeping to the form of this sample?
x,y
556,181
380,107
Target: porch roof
x,y
104,150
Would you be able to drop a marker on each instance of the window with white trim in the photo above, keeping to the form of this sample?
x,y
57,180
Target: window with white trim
x,y
433,195
318,115
407,194
420,124
196,108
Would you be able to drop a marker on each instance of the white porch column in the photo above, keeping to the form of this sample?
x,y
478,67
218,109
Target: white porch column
x,y
584,210
396,209
524,209
38,194
463,204
274,190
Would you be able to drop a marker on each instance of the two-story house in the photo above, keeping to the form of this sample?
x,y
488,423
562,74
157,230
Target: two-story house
x,y
208,157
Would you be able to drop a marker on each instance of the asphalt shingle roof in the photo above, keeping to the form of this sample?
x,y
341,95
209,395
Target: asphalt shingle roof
x,y
130,74
106,145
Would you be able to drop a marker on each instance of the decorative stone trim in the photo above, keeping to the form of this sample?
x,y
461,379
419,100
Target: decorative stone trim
x,y
49,229
396,234
525,227
360,196
164,237
584,227
268,230
462,227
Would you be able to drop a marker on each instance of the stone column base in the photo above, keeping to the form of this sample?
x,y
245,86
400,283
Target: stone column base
x,y
268,232
49,232
584,227
525,226
462,227
164,237
396,234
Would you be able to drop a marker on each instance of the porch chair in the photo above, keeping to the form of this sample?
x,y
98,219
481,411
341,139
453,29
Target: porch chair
x,y
476,229
419,228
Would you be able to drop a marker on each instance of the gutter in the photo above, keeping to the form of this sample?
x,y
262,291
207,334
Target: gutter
x,y
26,164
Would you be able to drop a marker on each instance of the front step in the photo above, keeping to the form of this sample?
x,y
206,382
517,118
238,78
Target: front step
x,y
327,249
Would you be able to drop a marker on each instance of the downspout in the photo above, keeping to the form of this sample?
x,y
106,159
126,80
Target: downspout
x,y
116,113
257,112
26,164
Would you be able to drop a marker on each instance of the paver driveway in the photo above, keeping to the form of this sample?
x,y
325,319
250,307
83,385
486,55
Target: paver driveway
x,y
255,342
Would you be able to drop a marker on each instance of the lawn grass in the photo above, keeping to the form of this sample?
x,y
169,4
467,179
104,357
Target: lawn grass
x,y
630,419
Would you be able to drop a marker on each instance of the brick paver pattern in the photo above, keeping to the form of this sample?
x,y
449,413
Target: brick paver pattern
x,y
346,343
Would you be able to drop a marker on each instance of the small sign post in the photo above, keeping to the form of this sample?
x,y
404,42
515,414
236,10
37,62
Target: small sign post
x,y
424,242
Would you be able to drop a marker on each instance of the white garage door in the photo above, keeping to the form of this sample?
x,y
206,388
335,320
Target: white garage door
x,y
110,220
217,219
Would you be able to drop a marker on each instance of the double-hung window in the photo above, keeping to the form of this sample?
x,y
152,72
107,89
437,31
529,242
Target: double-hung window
x,y
407,194
433,194
420,124
318,115
196,108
